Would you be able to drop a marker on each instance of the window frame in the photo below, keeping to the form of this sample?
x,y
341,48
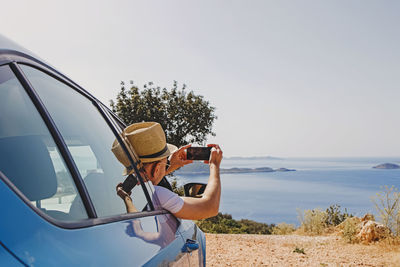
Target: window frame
x,y
13,59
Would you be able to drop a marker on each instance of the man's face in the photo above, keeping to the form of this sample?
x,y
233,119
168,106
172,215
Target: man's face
x,y
155,171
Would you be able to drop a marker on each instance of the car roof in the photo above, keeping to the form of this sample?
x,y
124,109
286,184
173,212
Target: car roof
x,y
7,44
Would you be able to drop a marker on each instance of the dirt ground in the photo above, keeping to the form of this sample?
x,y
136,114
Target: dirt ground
x,y
287,250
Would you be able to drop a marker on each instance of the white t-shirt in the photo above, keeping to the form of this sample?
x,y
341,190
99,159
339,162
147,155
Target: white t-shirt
x,y
168,199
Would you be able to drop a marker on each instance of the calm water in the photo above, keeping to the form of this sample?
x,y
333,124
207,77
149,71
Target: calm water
x,y
275,197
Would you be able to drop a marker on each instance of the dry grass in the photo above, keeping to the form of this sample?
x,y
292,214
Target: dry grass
x,y
313,222
350,228
390,243
283,229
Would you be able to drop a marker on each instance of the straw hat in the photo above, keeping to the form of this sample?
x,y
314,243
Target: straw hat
x,y
147,139
121,156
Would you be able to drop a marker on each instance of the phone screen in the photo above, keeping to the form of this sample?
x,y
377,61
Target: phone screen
x,y
198,153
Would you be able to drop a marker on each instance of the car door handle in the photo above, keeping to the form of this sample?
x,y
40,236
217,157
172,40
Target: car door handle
x,y
190,245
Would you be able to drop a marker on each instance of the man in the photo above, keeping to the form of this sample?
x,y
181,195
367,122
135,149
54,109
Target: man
x,y
149,143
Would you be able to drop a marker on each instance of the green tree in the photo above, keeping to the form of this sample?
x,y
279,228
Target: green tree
x,y
185,116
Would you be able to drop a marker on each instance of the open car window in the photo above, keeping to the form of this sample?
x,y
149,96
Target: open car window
x,y
29,157
89,140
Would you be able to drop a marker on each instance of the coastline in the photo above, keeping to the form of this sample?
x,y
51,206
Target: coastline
x,y
203,169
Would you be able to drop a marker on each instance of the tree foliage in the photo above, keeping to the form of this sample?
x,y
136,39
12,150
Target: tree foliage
x,y
185,116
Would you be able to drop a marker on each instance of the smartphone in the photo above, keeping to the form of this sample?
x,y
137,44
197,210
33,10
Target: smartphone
x,y
129,183
198,153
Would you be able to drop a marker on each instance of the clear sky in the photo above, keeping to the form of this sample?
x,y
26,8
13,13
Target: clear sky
x,y
288,78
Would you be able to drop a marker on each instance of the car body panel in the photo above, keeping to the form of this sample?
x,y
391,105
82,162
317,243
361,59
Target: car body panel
x,y
7,259
38,242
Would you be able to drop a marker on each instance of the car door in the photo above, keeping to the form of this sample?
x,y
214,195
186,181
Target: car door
x,y
194,242
59,177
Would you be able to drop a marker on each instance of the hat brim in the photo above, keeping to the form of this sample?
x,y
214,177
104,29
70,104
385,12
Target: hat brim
x,y
126,172
170,149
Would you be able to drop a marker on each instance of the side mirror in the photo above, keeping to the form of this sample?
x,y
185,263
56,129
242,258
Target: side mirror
x,y
194,189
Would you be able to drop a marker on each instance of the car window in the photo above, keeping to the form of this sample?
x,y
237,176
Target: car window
x,y
149,186
89,140
29,157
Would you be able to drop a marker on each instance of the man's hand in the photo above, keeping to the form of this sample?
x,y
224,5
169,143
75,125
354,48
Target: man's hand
x,y
215,156
126,197
178,159
121,193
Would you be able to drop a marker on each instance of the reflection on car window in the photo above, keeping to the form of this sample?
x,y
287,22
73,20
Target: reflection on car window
x,y
88,163
89,140
29,157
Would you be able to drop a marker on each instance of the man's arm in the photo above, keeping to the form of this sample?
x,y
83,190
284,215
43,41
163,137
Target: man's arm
x,y
208,205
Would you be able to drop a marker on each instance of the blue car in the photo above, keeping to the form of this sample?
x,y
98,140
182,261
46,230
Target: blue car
x,y
58,179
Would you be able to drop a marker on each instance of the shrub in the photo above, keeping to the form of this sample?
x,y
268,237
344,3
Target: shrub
x,y
220,224
313,221
252,227
387,203
299,250
283,229
178,189
334,216
224,224
351,227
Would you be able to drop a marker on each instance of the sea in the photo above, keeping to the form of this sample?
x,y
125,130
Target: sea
x,y
275,197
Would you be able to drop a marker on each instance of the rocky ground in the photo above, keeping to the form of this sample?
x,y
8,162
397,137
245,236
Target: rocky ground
x,y
296,250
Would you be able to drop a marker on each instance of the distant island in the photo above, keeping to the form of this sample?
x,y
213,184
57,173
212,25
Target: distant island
x,y
256,157
248,170
198,168
387,166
